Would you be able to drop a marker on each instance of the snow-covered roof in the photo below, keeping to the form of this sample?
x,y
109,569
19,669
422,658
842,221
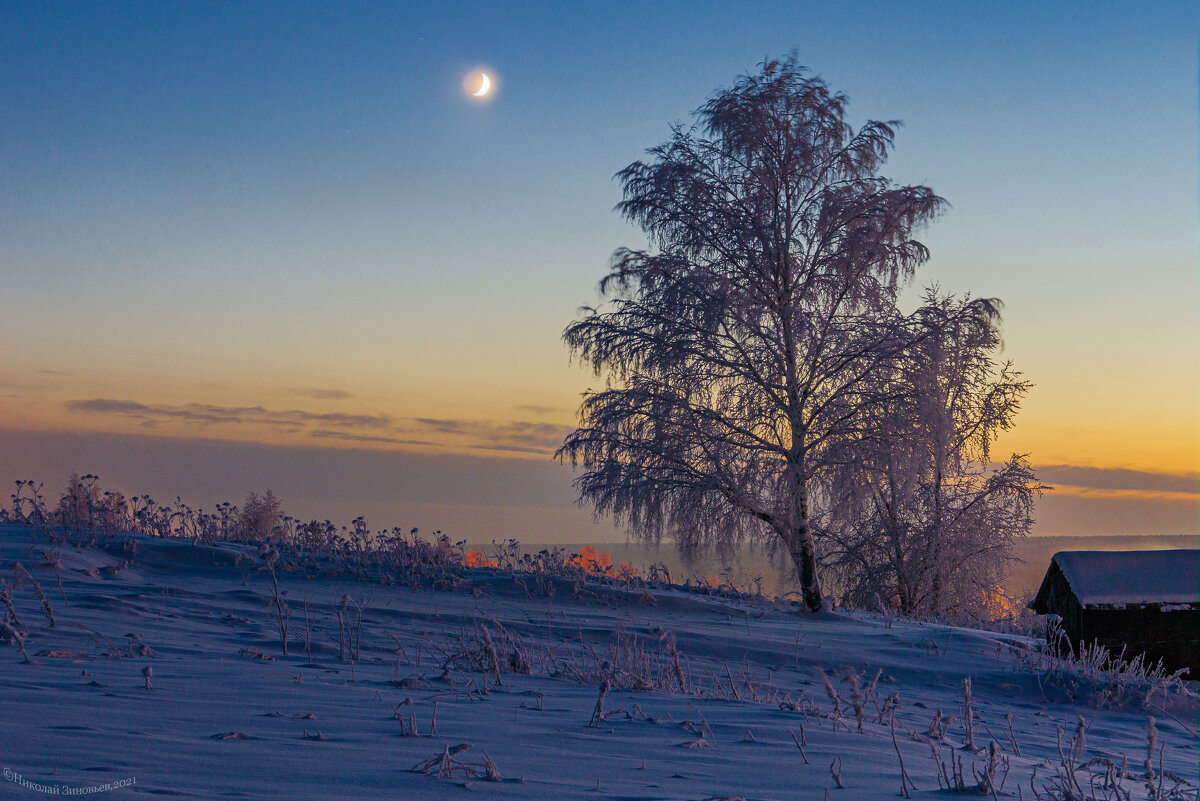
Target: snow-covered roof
x,y
1101,578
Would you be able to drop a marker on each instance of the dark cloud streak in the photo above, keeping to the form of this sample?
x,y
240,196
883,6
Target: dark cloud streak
x,y
530,408
1107,478
518,436
343,436
513,435
237,415
320,394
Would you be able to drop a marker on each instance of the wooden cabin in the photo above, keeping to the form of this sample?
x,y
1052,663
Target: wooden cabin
x,y
1146,602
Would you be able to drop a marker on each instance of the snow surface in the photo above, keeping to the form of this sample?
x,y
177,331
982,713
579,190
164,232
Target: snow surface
x,y
83,719
1132,577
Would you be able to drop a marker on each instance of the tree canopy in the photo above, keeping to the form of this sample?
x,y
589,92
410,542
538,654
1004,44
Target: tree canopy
x,y
742,348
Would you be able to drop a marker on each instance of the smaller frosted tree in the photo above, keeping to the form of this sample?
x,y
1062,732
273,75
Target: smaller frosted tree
x,y
919,518
261,516
77,508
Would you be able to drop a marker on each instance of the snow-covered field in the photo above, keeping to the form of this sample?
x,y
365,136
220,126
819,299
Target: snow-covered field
x,y
223,721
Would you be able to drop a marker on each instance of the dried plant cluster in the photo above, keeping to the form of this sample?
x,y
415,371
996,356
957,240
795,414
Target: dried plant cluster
x,y
630,662
88,515
1097,676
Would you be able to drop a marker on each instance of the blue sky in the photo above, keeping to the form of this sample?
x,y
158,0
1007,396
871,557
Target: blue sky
x,y
221,203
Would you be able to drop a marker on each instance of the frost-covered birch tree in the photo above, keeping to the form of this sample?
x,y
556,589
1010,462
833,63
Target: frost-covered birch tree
x,y
740,346
918,518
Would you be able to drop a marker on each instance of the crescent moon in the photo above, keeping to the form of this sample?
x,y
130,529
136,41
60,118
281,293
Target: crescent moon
x,y
484,86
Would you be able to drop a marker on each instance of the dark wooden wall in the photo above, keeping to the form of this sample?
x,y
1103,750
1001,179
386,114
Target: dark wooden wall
x,y
1173,637
1061,601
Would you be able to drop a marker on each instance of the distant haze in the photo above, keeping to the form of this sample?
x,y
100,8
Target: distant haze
x,y
747,567
481,498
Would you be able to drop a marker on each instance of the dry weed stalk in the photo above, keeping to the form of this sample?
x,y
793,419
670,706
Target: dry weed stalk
x,y
986,780
831,691
484,648
307,632
1066,783
1079,742
1012,735
1155,780
283,613
968,716
51,557
954,779
627,664
7,599
732,687
836,773
937,727
839,705
799,745
22,574
1151,741
890,705
350,623
446,764
676,670
905,781
113,651
408,727
859,698
17,639
598,712
1106,779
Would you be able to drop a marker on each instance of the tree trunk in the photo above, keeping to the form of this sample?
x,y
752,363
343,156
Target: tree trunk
x,y
799,540
938,540
804,555
795,532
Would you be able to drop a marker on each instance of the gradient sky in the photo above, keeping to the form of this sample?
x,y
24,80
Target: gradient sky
x,y
280,236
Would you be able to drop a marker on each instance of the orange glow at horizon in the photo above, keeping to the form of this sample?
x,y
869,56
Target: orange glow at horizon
x,y
516,415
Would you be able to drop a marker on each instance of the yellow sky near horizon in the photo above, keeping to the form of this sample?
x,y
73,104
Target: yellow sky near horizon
x,y
522,413
1101,397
